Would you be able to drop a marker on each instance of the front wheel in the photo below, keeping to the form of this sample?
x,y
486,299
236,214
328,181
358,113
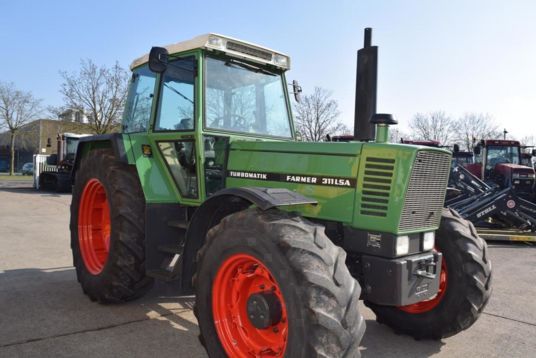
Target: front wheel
x,y
464,287
270,283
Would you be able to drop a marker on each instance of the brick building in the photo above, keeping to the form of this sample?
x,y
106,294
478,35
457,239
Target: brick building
x,y
37,137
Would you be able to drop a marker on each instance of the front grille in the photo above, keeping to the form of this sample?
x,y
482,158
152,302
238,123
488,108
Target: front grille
x,y
426,191
377,186
234,46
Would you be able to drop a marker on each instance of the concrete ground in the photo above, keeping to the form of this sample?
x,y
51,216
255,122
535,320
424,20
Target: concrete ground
x,y
43,312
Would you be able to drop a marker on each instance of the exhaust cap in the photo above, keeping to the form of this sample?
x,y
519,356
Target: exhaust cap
x,y
383,118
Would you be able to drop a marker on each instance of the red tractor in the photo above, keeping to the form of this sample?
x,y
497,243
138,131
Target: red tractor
x,y
499,161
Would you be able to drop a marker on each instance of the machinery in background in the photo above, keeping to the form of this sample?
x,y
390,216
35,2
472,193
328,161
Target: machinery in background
x,y
54,173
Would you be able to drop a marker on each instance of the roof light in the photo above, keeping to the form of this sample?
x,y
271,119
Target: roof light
x,y
216,42
280,60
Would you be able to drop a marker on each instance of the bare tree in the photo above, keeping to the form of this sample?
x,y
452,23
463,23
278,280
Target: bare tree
x,y
99,92
529,141
472,127
316,116
17,108
436,126
396,135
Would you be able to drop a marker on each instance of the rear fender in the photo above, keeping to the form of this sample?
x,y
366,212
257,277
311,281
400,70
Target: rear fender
x,y
113,141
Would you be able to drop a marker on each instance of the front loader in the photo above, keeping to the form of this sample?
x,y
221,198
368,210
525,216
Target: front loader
x,y
279,239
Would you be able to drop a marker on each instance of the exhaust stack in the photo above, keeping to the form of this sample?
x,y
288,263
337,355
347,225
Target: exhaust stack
x,y
366,89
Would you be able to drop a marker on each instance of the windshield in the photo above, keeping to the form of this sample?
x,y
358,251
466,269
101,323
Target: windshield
x,y
501,154
241,97
72,145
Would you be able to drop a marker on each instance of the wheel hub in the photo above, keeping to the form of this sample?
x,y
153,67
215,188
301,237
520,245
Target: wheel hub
x,y
264,309
250,315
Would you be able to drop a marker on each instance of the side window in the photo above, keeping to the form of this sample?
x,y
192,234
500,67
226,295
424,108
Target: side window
x,y
176,105
139,101
180,159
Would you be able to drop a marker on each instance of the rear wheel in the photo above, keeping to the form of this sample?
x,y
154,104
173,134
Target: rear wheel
x,y
107,229
270,283
464,286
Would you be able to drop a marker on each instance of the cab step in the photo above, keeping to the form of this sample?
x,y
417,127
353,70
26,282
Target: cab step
x,y
179,224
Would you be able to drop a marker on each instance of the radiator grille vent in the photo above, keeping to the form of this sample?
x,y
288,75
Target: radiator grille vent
x,y
377,186
426,191
251,51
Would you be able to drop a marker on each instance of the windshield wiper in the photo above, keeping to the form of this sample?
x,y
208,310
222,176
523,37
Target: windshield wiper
x,y
177,92
249,66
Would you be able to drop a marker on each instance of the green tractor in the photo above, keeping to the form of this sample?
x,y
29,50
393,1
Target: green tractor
x,y
279,239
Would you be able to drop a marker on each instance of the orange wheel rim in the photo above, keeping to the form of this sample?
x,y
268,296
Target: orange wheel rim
x,y
240,281
428,305
94,226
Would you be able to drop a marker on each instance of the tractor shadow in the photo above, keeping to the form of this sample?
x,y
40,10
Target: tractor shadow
x,y
28,190
49,315
381,341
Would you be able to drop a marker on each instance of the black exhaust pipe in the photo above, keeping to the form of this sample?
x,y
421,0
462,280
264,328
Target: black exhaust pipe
x,y
366,89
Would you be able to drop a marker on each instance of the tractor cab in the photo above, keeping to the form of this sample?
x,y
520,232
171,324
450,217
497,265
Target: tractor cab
x,y
208,92
500,162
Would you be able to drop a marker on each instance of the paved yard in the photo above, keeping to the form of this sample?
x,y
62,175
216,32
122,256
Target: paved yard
x,y
43,312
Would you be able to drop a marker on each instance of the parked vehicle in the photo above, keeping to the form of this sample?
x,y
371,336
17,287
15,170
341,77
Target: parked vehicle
x,y
56,174
27,169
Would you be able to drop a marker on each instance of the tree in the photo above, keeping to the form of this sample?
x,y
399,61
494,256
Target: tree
x,y
316,116
472,127
99,92
436,126
529,140
17,108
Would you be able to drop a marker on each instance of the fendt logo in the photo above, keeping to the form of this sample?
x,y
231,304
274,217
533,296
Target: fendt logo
x,y
486,211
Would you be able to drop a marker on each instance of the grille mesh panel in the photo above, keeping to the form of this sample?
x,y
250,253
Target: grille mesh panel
x,y
249,50
426,191
377,186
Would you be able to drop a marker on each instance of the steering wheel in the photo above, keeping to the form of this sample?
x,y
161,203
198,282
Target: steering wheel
x,y
240,122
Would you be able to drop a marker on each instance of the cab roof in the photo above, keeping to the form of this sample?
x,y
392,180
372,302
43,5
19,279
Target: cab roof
x,y
230,45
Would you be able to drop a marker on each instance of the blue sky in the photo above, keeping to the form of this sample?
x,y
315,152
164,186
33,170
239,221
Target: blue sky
x,y
456,56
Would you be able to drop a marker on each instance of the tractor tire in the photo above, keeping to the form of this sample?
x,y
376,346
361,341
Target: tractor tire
x,y
465,286
270,283
107,229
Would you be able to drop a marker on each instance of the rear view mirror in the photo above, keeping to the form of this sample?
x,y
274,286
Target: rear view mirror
x,y
297,90
158,59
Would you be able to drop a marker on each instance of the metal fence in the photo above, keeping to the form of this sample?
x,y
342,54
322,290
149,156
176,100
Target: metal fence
x,y
40,165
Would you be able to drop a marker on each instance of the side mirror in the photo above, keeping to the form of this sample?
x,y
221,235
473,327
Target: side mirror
x,y
477,150
299,136
534,152
456,148
297,90
158,59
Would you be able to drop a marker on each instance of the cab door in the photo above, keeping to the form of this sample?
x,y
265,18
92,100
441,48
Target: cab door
x,y
172,134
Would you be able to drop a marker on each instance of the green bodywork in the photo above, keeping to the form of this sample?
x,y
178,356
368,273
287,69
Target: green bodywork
x,y
337,162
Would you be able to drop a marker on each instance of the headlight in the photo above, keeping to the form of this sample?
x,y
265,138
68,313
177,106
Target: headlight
x,y
428,241
402,245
